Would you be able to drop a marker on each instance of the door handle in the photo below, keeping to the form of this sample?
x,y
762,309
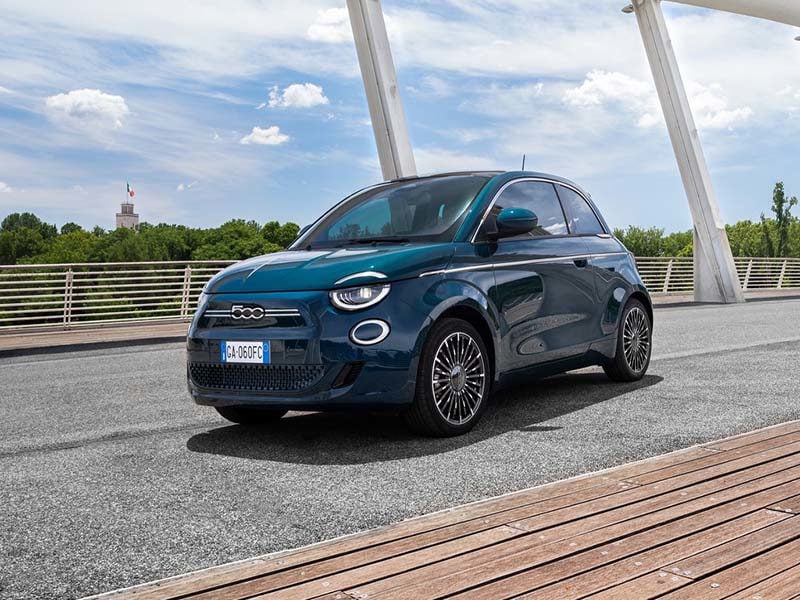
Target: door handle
x,y
581,262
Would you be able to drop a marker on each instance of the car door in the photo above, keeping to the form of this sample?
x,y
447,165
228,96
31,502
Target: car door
x,y
608,259
544,292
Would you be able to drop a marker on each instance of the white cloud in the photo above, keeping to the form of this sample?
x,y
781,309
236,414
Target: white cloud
x,y
332,26
430,85
5,188
616,91
297,95
182,187
271,136
5,90
88,107
711,110
440,160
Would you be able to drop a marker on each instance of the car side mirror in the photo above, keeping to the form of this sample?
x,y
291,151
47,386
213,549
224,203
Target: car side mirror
x,y
515,221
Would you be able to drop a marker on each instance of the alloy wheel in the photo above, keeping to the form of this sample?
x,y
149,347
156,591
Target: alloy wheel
x,y
459,378
636,339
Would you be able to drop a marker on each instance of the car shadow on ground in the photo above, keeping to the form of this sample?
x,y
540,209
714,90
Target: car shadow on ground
x,y
356,438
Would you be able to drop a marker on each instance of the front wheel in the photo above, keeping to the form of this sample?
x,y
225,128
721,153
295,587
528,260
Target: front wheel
x,y
634,344
250,415
453,381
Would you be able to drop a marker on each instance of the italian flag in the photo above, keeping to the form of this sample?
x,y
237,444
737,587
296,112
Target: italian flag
x,y
131,193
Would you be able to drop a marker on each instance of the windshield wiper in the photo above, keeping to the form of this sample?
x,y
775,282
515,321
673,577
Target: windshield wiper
x,y
389,239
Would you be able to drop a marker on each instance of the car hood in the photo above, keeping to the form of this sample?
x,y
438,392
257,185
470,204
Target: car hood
x,y
303,270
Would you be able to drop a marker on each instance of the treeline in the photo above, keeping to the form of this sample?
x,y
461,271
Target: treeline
x,y
24,238
778,236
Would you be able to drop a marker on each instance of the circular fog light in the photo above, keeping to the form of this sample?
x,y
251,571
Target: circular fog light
x,y
369,332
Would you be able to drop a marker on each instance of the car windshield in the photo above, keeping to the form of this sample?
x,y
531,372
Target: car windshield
x,y
421,210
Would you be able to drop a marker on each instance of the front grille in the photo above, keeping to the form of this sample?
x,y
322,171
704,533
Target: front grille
x,y
211,321
255,378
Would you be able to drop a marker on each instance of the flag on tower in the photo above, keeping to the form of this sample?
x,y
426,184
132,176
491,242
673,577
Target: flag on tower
x,y
131,193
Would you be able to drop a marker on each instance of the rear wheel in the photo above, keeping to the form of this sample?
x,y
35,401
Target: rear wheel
x,y
453,381
250,415
634,344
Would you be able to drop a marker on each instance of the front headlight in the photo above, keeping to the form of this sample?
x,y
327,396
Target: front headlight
x,y
357,298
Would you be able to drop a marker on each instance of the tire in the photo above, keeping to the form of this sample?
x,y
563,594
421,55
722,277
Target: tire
x,y
250,415
635,333
451,404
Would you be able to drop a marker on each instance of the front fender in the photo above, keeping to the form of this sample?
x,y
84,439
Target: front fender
x,y
439,295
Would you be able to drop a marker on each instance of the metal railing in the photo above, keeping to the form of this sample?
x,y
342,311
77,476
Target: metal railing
x,y
66,296
80,294
675,275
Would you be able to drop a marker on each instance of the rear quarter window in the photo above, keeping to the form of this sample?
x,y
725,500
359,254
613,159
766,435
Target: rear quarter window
x,y
582,219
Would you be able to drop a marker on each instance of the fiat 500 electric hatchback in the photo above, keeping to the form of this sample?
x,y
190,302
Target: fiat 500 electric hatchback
x,y
420,296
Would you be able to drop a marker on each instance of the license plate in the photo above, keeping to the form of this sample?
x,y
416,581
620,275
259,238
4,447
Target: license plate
x,y
245,352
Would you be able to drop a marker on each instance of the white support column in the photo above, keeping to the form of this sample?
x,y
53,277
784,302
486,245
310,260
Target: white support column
x,y
380,83
780,11
715,272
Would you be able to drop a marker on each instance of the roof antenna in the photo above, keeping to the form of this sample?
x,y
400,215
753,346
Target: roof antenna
x,y
523,162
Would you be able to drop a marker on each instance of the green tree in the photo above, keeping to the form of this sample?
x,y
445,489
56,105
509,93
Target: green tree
x,y
280,235
680,243
26,220
746,238
642,242
74,246
20,244
782,208
70,228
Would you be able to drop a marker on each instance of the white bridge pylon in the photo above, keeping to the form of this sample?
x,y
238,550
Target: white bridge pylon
x,y
715,277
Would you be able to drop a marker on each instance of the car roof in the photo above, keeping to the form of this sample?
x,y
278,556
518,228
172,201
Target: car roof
x,y
506,176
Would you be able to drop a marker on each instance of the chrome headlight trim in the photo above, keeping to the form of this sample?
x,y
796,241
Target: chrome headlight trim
x,y
375,274
343,299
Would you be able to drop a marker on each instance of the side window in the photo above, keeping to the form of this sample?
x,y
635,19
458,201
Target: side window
x,y
539,197
582,217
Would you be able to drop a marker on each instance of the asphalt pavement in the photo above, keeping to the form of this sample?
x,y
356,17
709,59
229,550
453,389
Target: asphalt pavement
x,y
110,476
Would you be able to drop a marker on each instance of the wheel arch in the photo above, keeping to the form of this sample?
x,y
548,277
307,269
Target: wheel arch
x,y
644,299
474,317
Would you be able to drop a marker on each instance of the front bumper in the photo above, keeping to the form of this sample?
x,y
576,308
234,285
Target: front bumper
x,y
314,365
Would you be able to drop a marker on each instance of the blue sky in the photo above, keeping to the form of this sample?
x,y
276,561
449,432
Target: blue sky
x,y
256,110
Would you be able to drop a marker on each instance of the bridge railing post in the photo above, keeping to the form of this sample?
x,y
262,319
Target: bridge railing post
x,y
186,292
668,275
782,276
747,274
68,285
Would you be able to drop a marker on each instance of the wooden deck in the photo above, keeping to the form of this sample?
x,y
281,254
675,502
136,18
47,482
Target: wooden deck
x,y
713,521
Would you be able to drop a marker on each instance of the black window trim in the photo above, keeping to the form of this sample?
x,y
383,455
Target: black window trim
x,y
555,184
570,216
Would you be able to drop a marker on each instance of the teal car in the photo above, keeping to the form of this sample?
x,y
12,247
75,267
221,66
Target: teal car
x,y
423,296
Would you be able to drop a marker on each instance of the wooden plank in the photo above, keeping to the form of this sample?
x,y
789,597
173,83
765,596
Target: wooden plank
x,y
660,462
754,436
783,586
682,537
716,559
353,578
648,586
745,574
548,494
636,566
317,587
447,551
452,576
726,461
790,505
546,497
655,496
